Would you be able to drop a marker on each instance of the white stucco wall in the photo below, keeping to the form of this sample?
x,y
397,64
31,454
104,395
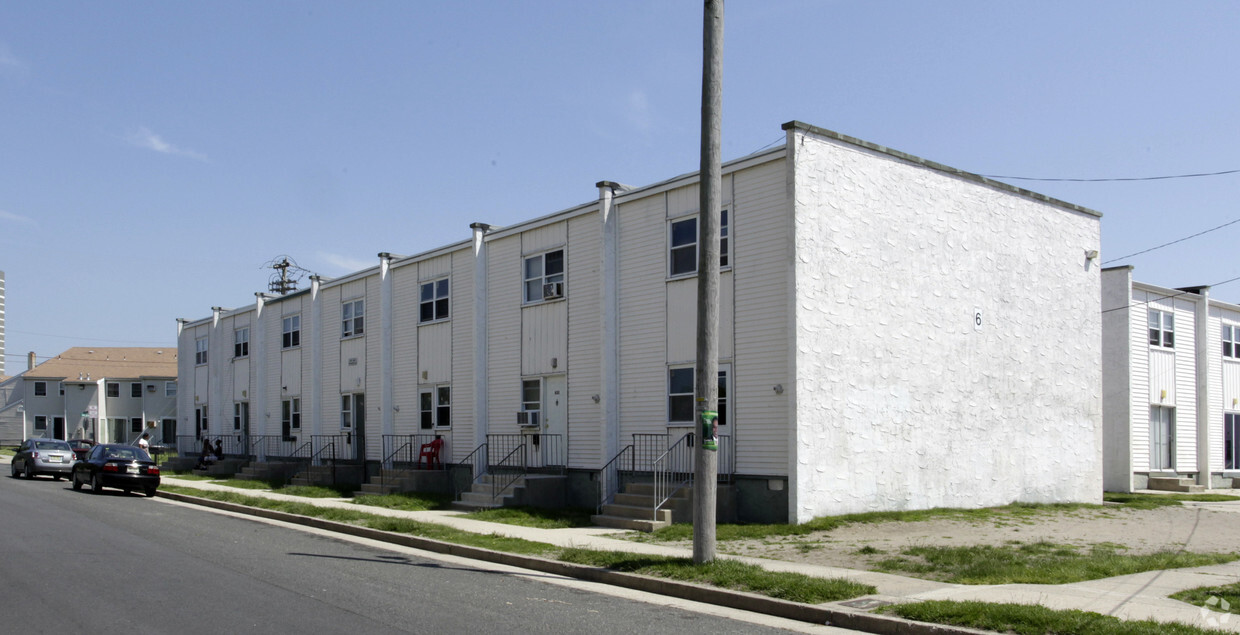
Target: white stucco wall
x,y
901,401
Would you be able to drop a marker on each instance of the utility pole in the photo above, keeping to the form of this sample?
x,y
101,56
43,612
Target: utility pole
x,y
706,455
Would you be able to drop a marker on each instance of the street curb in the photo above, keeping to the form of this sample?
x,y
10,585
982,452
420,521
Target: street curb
x,y
814,614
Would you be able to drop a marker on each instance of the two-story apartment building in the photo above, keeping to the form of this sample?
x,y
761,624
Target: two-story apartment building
x,y
894,334
107,395
1171,384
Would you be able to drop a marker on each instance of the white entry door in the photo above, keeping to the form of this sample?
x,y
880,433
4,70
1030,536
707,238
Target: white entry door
x,y
1162,438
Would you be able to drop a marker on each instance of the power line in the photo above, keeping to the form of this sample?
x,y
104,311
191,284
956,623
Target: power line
x,y
1167,297
1201,233
1105,180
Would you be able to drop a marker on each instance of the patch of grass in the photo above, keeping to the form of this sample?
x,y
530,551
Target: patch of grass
x,y
8,450
725,573
316,491
1036,563
869,550
1015,512
1213,597
245,483
1032,619
1152,501
409,502
535,517
187,475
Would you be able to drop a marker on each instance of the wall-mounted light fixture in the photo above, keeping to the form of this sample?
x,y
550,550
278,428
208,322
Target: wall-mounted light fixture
x,y
555,362
396,408
1162,395
596,398
1091,254
779,389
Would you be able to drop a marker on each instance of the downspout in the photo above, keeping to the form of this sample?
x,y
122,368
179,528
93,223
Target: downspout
x,y
316,357
480,332
1205,362
386,387
610,319
258,364
215,406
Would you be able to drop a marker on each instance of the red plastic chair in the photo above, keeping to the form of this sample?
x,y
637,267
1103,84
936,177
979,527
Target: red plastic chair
x,y
430,451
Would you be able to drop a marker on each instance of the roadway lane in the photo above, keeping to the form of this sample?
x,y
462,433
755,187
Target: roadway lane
x,y
73,561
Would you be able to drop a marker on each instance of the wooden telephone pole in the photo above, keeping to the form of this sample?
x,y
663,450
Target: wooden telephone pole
x,y
706,455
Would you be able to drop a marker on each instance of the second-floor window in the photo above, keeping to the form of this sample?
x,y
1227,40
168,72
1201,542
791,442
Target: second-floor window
x,y
683,244
291,327
114,389
352,317
433,301
1231,341
544,276
40,389
241,342
135,390
200,351
170,389
1162,328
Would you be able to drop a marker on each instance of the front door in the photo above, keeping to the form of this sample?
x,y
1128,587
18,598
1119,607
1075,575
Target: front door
x,y
58,427
359,427
1162,438
555,420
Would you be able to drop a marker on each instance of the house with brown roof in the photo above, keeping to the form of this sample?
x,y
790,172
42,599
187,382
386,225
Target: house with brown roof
x,y
105,394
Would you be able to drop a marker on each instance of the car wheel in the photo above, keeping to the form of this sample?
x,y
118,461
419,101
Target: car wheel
x,y
29,470
96,484
13,470
77,483
150,492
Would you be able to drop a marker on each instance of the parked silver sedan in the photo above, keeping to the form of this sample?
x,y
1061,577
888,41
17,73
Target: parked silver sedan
x,y
43,456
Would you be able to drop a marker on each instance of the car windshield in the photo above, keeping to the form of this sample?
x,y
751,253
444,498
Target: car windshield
x,y
125,453
51,445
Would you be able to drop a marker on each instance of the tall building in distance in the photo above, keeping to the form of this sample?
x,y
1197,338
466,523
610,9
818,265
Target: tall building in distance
x,y
1,324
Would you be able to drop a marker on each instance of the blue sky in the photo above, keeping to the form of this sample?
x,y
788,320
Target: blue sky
x,y
155,155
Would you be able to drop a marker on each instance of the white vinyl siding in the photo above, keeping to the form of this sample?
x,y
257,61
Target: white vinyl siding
x,y
643,314
585,342
503,332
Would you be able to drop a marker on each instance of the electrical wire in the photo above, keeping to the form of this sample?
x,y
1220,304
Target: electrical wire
x,y
1145,251
1167,297
1106,180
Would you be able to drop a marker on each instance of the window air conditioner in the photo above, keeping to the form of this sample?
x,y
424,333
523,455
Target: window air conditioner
x,y
553,290
528,418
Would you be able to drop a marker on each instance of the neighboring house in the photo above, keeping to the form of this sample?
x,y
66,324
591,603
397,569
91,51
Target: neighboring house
x,y
1171,385
108,395
11,410
894,334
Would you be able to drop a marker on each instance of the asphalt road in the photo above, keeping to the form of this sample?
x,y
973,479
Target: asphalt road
x,y
77,562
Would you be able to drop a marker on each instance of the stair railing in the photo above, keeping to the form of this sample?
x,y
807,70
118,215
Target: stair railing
x,y
609,476
477,462
508,470
673,471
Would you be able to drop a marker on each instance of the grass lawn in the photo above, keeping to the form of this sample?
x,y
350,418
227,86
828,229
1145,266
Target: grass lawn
x,y
535,517
1036,563
1151,501
406,502
1223,599
1033,620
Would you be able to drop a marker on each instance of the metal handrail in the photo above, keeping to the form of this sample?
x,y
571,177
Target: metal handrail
x,y
544,452
516,475
478,468
609,476
666,481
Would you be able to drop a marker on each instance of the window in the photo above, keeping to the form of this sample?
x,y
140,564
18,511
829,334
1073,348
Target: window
x,y
114,389
352,317
40,422
544,276
723,249
683,242
1231,441
241,415
200,351
531,394
435,406
290,417
241,342
433,301
169,427
62,388
1162,328
351,411
292,331
1231,341
170,389
135,390
135,424
681,388
40,389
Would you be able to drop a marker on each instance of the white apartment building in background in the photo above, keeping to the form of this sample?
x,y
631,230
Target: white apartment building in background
x,y
894,334
1171,384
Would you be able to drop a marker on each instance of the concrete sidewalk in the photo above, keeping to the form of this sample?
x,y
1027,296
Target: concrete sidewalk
x,y
1133,597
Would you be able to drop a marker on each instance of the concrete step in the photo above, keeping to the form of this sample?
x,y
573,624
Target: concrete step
x,y
1174,484
637,512
647,489
620,522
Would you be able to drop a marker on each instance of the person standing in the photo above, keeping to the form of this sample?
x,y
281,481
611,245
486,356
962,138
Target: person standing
x,y
145,442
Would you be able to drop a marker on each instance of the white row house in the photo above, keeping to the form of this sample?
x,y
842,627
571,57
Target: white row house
x,y
103,394
1171,385
894,334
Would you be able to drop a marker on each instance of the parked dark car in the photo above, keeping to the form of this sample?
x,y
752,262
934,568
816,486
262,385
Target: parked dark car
x,y
125,467
42,456
81,447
